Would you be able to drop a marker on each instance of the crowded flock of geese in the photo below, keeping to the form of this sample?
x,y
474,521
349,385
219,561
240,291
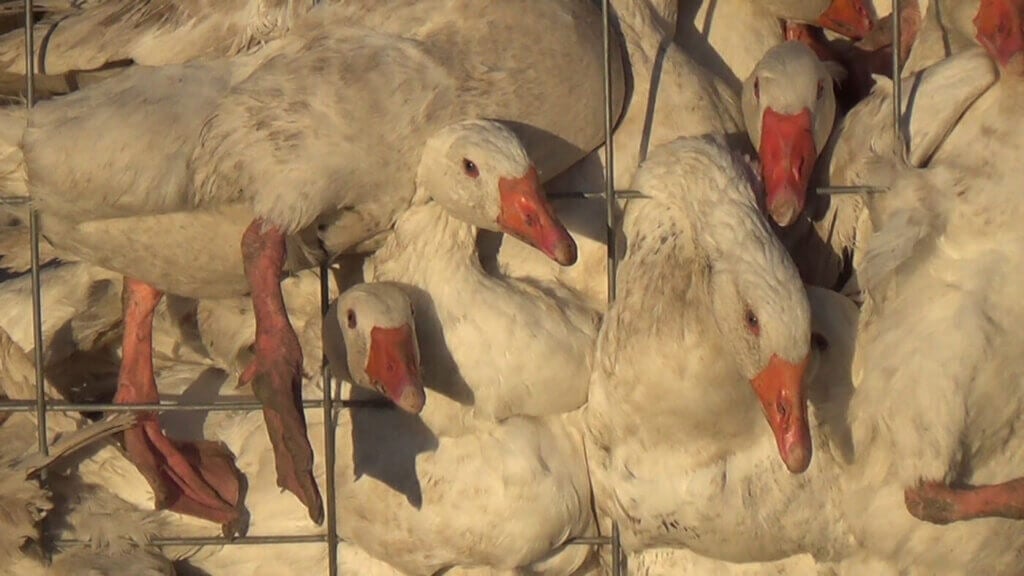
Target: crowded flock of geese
x,y
784,382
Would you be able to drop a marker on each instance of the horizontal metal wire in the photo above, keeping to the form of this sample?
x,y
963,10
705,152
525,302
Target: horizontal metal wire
x,y
249,405
14,200
839,190
626,194
278,539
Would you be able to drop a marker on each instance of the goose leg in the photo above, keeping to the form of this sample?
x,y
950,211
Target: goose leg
x,y
198,479
940,504
276,372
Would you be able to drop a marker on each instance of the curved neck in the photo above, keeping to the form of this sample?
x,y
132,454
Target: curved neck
x,y
427,238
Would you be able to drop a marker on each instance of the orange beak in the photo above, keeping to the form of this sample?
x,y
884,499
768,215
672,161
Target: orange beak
x,y
780,386
788,154
527,215
1000,25
393,368
847,17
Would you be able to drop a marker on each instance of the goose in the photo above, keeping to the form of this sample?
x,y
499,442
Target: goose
x,y
946,233
789,108
731,36
749,302
546,334
197,196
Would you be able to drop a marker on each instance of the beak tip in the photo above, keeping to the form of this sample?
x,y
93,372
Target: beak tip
x,y
797,458
412,399
566,253
784,210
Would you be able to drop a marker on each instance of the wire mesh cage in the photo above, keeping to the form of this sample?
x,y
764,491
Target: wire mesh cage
x,y
328,403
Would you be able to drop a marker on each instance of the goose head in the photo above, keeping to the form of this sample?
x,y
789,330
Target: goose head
x,y
789,107
369,334
756,300
1000,26
850,18
761,310
847,17
478,170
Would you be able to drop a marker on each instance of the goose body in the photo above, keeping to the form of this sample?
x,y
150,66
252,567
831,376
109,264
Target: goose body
x,y
666,336
949,234
511,347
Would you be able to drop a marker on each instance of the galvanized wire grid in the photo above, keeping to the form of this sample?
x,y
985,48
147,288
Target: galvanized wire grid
x,y
331,538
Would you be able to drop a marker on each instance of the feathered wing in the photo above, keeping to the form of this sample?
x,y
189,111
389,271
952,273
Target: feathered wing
x,y
82,36
355,107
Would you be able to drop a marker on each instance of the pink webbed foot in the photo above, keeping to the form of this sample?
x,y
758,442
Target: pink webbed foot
x,y
276,372
198,479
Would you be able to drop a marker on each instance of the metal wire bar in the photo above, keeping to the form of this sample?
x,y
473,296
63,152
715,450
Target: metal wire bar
x,y
14,200
616,542
276,539
239,405
610,207
840,190
329,456
609,149
582,195
899,147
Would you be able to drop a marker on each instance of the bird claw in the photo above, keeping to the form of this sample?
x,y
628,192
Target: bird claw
x,y
275,378
193,478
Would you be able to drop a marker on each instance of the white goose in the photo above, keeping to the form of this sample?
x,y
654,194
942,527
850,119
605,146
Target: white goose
x,y
789,108
211,194
709,305
511,347
948,234
759,488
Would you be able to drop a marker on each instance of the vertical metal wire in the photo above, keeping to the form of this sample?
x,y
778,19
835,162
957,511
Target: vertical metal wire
x,y
616,551
33,229
329,456
609,191
609,158
899,147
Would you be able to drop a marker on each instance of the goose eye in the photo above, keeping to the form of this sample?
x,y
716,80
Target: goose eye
x,y
819,342
469,167
412,310
757,89
753,324
821,89
350,317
